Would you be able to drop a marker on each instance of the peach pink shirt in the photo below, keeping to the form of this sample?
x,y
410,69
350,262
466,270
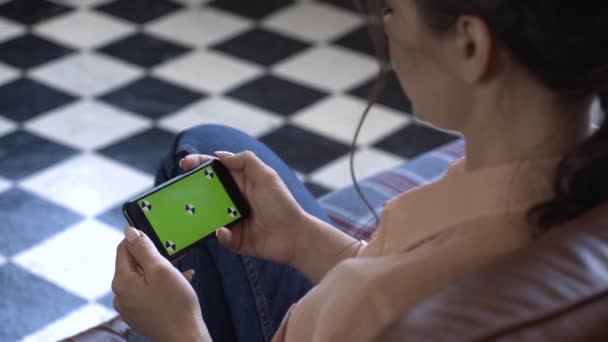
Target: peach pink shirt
x,y
427,237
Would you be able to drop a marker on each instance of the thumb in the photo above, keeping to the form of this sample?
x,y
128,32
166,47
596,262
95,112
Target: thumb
x,y
230,239
189,274
142,248
192,161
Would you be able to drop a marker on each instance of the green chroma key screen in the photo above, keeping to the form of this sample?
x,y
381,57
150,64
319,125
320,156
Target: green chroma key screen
x,y
188,210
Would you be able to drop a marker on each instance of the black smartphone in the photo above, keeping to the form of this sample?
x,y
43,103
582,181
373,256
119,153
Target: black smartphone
x,y
188,209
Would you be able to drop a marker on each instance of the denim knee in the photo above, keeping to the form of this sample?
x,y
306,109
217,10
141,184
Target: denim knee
x,y
203,136
205,139
168,166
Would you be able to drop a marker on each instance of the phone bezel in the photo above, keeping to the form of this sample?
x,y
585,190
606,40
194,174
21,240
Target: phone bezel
x,y
136,217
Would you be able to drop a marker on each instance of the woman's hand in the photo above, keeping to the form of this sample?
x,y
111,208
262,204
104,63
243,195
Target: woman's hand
x,y
271,230
152,296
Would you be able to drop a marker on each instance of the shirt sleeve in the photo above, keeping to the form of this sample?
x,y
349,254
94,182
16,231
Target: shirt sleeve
x,y
279,336
361,298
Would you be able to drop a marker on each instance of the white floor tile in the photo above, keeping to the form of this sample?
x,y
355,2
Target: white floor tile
x,y
368,161
88,183
328,67
316,22
7,73
198,27
79,259
208,71
6,126
10,29
86,74
84,29
87,125
220,110
337,117
77,321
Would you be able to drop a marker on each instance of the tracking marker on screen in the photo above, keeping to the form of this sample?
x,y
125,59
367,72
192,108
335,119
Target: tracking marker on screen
x,y
209,174
190,209
146,206
170,245
232,212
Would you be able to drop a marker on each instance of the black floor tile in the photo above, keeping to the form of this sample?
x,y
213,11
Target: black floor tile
x,y
392,96
142,151
261,46
358,40
22,154
144,50
414,140
29,303
277,95
28,219
107,301
316,189
24,99
254,9
303,150
27,51
151,97
113,218
139,11
31,12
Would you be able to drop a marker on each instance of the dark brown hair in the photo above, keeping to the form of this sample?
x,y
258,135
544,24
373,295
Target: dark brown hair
x,y
565,45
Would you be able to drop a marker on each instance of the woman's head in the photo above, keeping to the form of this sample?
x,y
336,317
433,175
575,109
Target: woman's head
x,y
452,55
462,50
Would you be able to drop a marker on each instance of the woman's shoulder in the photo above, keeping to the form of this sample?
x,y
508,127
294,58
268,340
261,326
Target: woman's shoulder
x,y
461,199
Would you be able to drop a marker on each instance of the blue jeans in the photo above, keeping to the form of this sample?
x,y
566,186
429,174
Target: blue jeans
x,y
242,298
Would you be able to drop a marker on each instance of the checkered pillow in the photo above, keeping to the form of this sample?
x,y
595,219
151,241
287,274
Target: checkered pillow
x,y
350,214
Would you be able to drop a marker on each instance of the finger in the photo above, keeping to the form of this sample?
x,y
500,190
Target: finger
x,y
192,161
142,249
231,238
189,274
125,263
245,162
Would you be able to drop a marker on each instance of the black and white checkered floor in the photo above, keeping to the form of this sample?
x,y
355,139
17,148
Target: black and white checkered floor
x,y
92,91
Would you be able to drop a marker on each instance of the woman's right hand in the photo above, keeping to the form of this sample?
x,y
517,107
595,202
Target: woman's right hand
x,y
271,230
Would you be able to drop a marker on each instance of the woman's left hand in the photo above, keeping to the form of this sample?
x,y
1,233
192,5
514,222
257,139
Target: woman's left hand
x,y
152,296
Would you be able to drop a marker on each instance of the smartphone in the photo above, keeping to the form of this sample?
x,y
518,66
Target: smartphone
x,y
186,210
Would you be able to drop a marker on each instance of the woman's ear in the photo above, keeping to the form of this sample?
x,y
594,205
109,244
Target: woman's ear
x,y
474,44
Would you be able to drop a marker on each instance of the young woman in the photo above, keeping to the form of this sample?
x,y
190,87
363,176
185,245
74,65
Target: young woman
x,y
516,77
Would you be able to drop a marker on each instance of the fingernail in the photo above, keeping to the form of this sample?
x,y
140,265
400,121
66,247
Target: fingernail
x,y
180,163
217,235
223,154
131,234
189,273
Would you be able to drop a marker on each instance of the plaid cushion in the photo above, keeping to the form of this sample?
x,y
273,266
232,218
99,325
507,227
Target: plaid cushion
x,y
350,214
